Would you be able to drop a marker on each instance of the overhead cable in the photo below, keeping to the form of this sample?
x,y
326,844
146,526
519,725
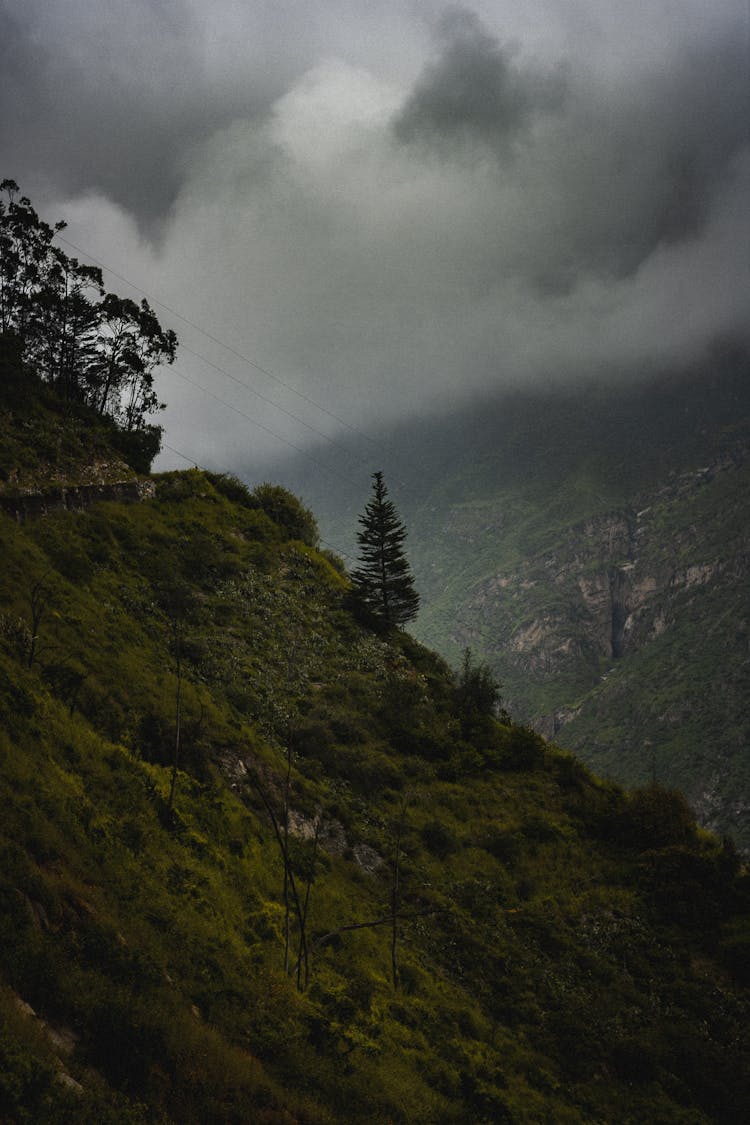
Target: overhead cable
x,y
222,344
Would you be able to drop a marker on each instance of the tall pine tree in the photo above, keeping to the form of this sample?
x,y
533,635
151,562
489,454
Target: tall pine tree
x,y
383,582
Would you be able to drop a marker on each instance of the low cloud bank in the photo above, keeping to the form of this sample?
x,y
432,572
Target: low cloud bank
x,y
392,239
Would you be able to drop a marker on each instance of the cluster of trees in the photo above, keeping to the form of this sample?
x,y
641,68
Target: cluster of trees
x,y
91,346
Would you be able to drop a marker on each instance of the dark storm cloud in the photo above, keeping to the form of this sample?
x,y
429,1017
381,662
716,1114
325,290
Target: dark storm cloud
x,y
613,170
475,90
112,97
389,221
645,164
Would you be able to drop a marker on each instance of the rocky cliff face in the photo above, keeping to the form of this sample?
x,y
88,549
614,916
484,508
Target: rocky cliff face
x,y
628,639
614,583
31,503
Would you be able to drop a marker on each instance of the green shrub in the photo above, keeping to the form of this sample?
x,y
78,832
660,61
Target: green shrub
x,y
517,748
287,512
734,948
599,807
540,828
138,447
505,844
335,560
567,769
438,839
476,699
28,1068
656,817
685,886
464,761
181,485
232,488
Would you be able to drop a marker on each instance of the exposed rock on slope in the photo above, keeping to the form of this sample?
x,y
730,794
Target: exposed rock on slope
x,y
42,501
583,620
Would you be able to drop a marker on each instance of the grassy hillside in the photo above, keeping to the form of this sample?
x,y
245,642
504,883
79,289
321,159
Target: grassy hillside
x,y
490,933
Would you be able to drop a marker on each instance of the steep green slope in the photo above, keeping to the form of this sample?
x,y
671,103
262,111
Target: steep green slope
x,y
561,951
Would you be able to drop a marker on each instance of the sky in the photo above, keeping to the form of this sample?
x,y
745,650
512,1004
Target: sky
x,y
353,213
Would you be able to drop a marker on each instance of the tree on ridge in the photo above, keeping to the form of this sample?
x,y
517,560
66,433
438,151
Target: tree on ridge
x,y
383,582
91,346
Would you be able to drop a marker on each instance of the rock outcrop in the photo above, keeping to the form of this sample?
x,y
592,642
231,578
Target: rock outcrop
x,y
628,641
612,584
32,503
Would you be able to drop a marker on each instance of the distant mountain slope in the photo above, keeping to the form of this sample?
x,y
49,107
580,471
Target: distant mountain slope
x,y
592,544
628,639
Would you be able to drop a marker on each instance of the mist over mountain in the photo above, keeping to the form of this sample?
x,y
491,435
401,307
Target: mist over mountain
x,y
390,210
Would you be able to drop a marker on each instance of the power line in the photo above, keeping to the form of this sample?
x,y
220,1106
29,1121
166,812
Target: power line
x,y
222,344
251,363
270,401
190,460
260,425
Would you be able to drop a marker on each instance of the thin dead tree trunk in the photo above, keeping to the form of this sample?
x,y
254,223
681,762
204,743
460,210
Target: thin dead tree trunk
x,y
395,897
290,669
289,873
39,598
287,919
178,718
311,876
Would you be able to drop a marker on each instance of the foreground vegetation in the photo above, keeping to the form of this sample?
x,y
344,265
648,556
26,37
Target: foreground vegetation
x,y
364,899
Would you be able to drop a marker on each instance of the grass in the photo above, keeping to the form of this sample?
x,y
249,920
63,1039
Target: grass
x,y
565,951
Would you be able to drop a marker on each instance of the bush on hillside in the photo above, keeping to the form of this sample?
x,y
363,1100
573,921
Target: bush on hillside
x,y
288,512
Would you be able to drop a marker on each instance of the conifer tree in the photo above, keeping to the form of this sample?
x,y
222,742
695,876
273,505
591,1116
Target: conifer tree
x,y
383,582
